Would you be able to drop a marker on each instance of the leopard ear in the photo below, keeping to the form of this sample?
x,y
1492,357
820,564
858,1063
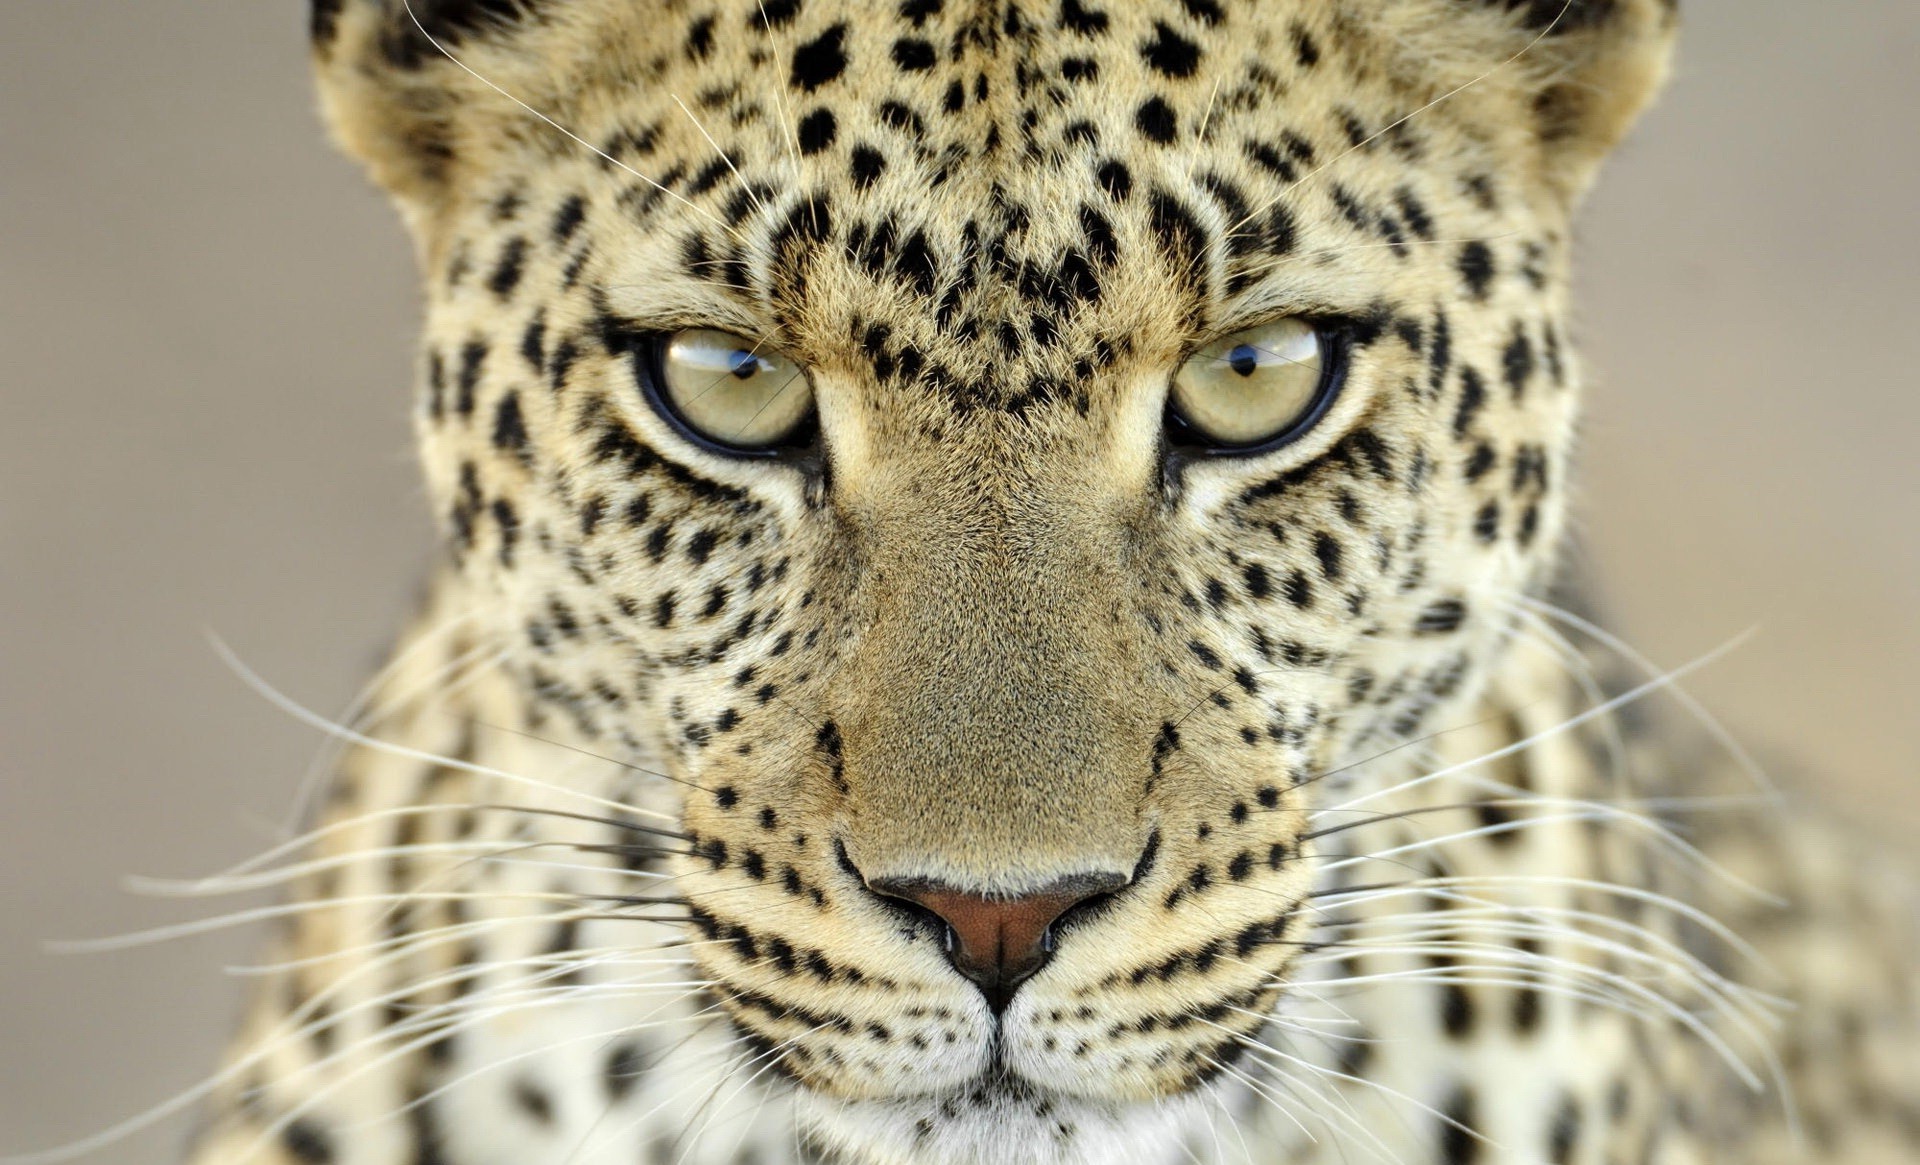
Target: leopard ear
x,y
1581,71
393,96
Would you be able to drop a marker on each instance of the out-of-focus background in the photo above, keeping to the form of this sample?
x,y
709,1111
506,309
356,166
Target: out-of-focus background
x,y
205,331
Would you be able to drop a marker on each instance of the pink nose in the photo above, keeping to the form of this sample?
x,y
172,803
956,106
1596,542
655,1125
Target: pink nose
x,y
1000,942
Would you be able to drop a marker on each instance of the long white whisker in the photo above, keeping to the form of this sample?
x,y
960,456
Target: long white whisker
x,y
315,720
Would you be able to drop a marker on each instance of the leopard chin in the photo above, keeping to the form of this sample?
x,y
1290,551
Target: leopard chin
x,y
1001,1119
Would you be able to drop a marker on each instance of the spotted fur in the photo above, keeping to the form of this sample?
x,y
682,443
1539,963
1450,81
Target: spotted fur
x,y
1399,883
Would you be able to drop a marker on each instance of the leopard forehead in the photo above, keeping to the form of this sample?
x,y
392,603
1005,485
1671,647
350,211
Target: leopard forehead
x,y
994,635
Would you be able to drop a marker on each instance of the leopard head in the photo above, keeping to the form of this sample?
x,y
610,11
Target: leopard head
x,y
998,459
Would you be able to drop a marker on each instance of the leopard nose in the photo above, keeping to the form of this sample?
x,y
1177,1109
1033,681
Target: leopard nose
x,y
1000,942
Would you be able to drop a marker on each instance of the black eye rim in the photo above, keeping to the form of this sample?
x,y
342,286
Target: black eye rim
x,y
647,349
1336,349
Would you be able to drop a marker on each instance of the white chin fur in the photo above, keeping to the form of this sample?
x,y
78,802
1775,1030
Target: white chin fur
x,y
1005,1130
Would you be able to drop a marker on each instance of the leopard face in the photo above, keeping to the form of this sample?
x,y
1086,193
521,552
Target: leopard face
x,y
997,693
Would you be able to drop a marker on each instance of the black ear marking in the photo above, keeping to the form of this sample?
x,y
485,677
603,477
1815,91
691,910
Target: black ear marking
x,y
1560,17
324,22
410,24
407,25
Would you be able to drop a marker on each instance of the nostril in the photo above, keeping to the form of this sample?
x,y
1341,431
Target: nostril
x,y
999,942
920,916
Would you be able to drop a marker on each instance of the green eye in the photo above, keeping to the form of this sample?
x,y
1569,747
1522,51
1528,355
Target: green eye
x,y
1255,389
727,391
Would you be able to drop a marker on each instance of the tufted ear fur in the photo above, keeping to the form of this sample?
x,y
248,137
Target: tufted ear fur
x,y
398,104
1580,70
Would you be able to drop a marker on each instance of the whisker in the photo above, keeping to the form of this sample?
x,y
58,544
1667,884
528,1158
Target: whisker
x,y
1701,713
1565,725
312,719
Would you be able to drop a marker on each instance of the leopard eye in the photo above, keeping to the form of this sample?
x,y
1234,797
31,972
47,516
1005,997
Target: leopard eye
x,y
726,391
1255,390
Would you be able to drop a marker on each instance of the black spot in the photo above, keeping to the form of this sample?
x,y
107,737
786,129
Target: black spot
x,y
1486,523
308,1142
1456,1010
1169,53
1526,1010
1280,234
902,117
406,42
1529,524
568,218
1458,1144
866,164
638,510
533,1100
1479,462
1326,548
700,38
1565,1132
1473,395
625,1063
1259,585
709,176
1204,11
915,263
1306,50
1476,268
323,21
1516,362
509,427
912,54
508,519
1079,18
1414,212
561,363
1272,161
533,342
820,60
1441,617
473,358
1181,237
817,131
507,271
770,14
1115,179
1156,120
1556,17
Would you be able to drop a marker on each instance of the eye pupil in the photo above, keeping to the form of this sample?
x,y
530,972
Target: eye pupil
x,y
745,363
1244,360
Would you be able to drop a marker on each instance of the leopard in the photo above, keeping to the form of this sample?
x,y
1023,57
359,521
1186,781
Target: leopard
x,y
1003,595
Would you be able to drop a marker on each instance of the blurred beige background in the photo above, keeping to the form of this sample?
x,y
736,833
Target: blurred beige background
x,y
205,325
